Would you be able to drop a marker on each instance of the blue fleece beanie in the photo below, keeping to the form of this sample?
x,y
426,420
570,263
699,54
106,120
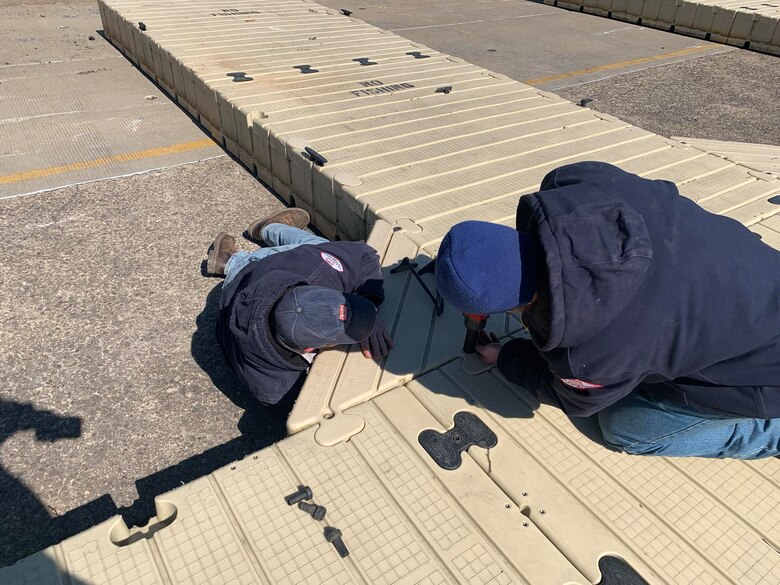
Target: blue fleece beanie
x,y
480,268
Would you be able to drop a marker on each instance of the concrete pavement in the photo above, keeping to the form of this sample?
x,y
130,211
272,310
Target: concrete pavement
x,y
75,110
730,96
113,389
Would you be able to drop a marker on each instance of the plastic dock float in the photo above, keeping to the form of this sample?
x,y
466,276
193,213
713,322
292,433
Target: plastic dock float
x,y
374,134
761,157
749,25
353,123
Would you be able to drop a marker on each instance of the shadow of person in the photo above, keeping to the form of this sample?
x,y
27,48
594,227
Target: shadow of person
x,y
24,515
208,355
261,425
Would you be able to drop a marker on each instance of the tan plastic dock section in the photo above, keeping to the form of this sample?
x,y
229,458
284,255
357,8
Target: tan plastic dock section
x,y
761,157
545,505
750,25
408,133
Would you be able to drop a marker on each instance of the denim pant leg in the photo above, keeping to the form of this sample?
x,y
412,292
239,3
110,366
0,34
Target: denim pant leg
x,y
279,238
642,425
279,235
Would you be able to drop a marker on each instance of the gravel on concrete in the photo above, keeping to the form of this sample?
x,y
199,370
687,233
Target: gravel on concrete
x,y
729,96
42,31
111,372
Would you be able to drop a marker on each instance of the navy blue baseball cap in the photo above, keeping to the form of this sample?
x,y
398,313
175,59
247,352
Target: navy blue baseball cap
x,y
313,316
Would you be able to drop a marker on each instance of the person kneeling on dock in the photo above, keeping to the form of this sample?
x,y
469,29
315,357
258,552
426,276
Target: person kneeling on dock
x,y
653,315
283,303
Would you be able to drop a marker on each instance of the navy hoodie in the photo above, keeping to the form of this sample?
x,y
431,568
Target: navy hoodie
x,y
644,287
244,325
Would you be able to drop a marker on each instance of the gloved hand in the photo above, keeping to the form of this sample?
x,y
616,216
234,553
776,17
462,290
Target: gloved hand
x,y
488,347
379,343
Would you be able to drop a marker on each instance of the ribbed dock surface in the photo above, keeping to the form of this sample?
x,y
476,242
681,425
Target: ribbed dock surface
x,y
761,157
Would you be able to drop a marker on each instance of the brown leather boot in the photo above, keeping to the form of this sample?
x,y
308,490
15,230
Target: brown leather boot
x,y
293,217
220,251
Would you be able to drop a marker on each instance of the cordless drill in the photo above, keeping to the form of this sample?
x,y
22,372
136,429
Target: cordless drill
x,y
474,324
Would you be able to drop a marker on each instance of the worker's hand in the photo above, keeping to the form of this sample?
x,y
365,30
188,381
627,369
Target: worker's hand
x,y
379,343
488,347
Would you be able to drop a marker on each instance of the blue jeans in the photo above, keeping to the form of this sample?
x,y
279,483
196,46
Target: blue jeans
x,y
279,238
643,425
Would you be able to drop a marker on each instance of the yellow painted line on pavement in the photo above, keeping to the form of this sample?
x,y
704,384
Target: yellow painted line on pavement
x,y
106,160
621,64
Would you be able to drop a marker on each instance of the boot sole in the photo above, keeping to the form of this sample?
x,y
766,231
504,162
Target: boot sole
x,y
213,255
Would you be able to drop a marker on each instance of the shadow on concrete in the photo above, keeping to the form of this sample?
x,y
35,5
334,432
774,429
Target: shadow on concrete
x,y
30,525
208,356
26,520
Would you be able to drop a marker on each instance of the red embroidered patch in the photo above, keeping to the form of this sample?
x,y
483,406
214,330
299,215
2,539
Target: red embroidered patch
x,y
580,384
342,312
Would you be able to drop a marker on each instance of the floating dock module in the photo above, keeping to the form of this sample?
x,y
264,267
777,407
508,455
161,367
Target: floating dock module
x,y
750,25
353,123
544,505
761,157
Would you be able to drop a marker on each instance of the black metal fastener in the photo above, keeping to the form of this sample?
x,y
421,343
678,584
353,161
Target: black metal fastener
x,y
584,102
142,26
313,510
315,156
417,55
306,69
239,76
334,535
303,493
446,89
364,61
407,264
346,12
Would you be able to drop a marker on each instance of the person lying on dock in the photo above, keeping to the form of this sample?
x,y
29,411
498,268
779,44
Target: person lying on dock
x,y
654,316
283,303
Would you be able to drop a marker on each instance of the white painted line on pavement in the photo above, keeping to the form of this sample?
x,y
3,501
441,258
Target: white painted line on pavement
x,y
473,21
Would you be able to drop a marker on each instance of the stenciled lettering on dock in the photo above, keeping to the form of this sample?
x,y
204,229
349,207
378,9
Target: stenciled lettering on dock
x,y
375,86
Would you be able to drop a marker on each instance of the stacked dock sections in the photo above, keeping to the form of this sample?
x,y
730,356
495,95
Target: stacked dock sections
x,y
354,123
750,25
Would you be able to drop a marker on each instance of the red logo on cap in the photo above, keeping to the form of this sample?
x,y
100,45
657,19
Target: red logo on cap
x,y
342,312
